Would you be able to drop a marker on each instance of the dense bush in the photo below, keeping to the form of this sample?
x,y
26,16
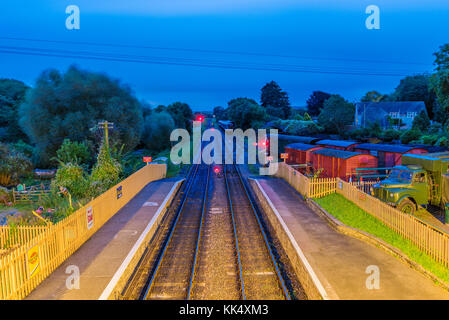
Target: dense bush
x,y
410,135
390,135
73,152
429,139
106,172
157,130
13,165
72,177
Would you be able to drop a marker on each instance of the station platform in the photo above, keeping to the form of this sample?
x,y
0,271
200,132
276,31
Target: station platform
x,y
100,258
340,261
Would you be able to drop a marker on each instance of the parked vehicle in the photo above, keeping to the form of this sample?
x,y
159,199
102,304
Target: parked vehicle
x,y
422,179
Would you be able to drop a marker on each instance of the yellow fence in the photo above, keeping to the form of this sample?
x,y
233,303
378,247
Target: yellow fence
x,y
429,239
38,254
307,187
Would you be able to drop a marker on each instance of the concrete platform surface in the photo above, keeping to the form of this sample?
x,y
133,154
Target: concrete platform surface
x,y
341,261
101,256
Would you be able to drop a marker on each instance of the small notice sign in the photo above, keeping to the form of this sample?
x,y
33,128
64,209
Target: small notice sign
x,y
90,217
284,155
362,196
33,261
147,159
119,192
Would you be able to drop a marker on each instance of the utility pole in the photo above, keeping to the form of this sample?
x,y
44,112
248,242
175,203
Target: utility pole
x,y
106,126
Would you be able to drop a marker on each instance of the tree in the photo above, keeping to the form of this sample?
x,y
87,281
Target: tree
x,y
275,100
336,114
373,96
307,117
220,113
181,114
106,172
160,108
68,105
416,88
157,130
421,122
440,83
245,113
316,101
12,94
442,58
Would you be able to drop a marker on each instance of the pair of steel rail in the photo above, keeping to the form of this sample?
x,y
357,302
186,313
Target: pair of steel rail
x,y
189,183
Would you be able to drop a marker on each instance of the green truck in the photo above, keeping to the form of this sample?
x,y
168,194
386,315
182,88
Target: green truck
x,y
422,179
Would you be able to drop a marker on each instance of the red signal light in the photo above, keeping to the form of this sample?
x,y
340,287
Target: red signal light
x,y
216,169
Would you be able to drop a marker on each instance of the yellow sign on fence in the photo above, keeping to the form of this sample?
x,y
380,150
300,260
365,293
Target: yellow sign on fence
x,y
33,261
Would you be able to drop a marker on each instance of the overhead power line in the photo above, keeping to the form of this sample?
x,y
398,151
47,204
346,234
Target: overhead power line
x,y
188,62
213,51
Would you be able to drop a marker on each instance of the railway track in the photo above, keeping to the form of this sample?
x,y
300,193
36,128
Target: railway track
x,y
260,276
212,247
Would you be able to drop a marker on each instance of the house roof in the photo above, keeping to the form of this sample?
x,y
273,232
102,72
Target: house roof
x,y
385,147
338,153
301,146
396,106
337,143
301,139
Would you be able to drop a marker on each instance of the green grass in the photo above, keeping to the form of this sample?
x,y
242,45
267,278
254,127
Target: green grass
x,y
353,216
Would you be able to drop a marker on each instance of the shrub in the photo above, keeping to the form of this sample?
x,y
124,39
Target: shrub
x,y
390,135
72,177
442,142
106,172
157,130
410,135
429,139
13,165
73,152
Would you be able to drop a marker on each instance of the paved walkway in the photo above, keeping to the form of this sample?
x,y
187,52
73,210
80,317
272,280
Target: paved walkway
x,y
101,256
340,261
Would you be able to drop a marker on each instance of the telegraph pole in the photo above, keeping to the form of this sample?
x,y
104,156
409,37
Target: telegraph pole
x,y
106,126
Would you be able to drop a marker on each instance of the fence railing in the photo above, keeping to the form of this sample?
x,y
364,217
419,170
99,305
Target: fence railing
x,y
36,256
29,196
429,239
18,235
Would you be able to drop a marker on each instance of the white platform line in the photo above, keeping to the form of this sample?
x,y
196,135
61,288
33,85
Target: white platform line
x,y
301,255
118,274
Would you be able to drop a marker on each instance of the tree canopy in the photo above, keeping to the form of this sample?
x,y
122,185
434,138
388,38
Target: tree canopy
x,y
373,96
245,113
440,82
181,114
416,88
12,94
337,113
68,105
316,101
275,100
157,129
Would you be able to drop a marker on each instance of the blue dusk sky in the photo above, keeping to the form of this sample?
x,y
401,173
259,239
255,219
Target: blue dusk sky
x,y
206,52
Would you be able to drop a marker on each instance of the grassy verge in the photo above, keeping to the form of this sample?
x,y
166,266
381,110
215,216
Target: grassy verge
x,y
353,216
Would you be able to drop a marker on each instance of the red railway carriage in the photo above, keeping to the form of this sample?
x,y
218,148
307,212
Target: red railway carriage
x,y
387,155
300,153
338,144
340,163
